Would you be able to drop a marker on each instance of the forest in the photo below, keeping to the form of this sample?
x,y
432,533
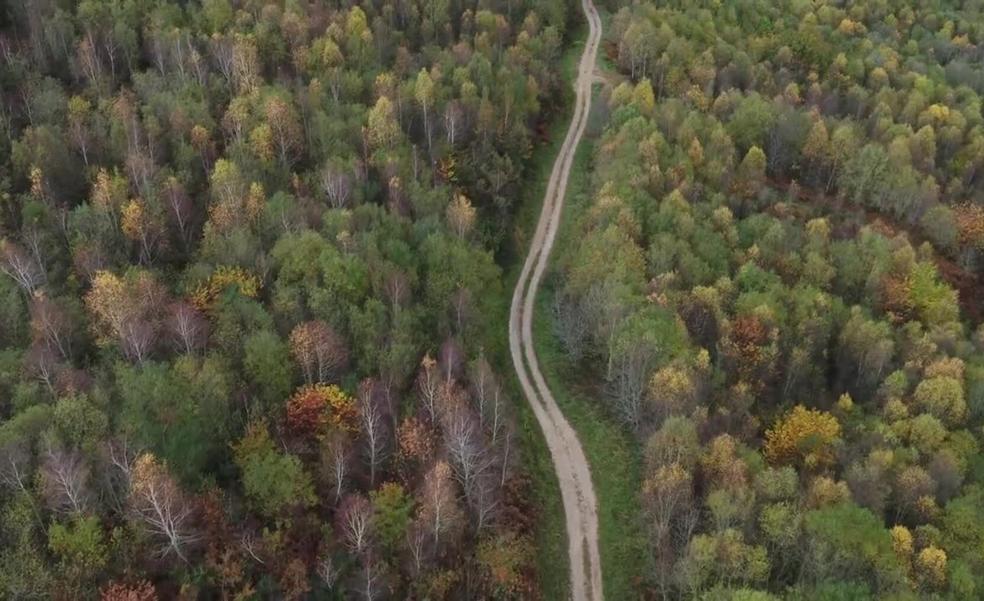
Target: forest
x,y
248,251
775,287
254,256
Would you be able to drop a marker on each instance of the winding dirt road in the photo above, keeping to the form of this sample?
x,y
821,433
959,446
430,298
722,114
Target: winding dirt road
x,y
573,472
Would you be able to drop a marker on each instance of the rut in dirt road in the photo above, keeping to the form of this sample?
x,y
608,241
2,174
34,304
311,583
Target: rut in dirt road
x,y
573,472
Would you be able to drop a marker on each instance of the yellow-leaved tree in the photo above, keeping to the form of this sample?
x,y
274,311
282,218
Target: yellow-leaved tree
x,y
804,437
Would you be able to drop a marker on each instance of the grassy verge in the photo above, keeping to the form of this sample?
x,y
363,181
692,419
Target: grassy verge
x,y
612,452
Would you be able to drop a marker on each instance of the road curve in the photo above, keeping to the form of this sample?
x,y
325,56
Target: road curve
x,y
573,472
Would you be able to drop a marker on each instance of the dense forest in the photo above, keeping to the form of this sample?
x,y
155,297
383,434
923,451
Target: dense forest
x,y
249,253
775,287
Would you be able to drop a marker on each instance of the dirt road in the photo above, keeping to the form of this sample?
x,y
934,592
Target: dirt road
x,y
573,472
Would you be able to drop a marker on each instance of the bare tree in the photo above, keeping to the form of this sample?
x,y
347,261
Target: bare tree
x,y
450,361
489,400
327,571
374,425
429,386
668,502
319,349
40,362
461,308
187,326
439,506
417,536
179,208
88,59
120,456
355,522
15,467
453,117
484,499
137,338
667,492
397,288
51,322
335,463
65,481
18,264
78,131
336,183
123,456
571,325
222,55
371,578
253,548
162,507
630,366
466,449
506,441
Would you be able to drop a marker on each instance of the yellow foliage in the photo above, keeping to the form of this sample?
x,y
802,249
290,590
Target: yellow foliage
x,y
37,182
722,466
223,277
133,219
261,142
115,302
644,98
109,191
255,201
952,367
803,436
931,566
850,27
448,167
107,301
902,542
460,215
826,491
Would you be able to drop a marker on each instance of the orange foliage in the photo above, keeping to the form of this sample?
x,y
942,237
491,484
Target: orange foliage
x,y
313,409
750,344
117,591
897,298
506,560
970,224
417,440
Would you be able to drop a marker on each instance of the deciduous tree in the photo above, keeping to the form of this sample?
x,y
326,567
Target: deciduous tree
x,y
160,505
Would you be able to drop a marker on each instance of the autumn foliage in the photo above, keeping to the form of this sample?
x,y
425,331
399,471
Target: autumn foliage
x,y
317,408
803,436
970,224
140,591
126,310
223,278
319,350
